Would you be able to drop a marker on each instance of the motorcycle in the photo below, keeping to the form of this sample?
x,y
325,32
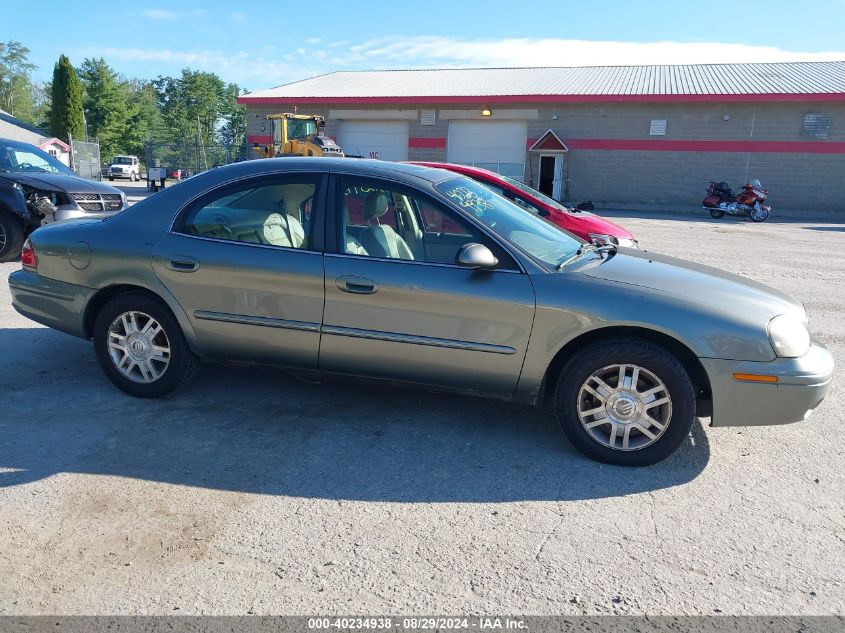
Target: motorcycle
x,y
721,201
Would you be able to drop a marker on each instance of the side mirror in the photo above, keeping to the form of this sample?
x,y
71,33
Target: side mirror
x,y
474,255
543,213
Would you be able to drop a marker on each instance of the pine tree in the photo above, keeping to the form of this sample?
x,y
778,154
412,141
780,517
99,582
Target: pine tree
x,y
106,105
66,114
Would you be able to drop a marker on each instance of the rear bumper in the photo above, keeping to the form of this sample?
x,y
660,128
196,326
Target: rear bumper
x,y
802,385
56,304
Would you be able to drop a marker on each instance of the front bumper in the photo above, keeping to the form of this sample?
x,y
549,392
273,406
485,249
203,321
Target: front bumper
x,y
802,385
56,304
72,212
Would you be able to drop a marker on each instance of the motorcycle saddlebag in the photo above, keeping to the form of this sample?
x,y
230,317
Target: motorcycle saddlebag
x,y
712,202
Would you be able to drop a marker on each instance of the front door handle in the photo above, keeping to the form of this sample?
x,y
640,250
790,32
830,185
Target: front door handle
x,y
181,264
356,285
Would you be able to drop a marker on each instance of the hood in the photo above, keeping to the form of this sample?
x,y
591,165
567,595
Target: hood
x,y
695,283
58,182
592,223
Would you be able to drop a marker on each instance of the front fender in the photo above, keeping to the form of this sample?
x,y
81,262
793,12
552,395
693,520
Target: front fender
x,y
570,306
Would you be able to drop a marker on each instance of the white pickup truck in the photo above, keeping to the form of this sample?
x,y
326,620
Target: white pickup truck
x,y
125,167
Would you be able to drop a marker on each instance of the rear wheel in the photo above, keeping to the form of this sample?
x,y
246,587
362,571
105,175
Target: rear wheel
x,y
141,347
11,238
716,213
625,401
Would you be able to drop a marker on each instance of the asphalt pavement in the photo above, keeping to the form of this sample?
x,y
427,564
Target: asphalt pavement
x,y
260,491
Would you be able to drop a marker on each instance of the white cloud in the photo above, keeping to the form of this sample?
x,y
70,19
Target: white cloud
x,y
439,51
160,14
263,67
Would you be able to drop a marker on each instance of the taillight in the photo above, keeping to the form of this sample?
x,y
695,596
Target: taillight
x,y
28,257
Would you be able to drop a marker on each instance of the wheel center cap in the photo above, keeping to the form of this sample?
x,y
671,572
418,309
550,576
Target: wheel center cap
x,y
622,408
138,347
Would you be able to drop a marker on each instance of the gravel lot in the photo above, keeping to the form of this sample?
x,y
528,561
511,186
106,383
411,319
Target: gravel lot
x,y
255,491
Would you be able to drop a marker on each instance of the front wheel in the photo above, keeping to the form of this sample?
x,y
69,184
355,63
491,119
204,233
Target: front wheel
x,y
11,238
716,213
141,347
759,215
625,401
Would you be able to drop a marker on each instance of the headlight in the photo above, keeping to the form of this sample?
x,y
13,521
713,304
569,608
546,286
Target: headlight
x,y
601,239
789,336
624,241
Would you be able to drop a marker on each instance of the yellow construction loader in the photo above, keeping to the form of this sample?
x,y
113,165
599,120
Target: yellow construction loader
x,y
298,135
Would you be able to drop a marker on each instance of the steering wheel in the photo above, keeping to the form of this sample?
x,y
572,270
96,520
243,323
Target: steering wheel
x,y
25,166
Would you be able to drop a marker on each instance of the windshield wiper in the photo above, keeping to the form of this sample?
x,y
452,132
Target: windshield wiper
x,y
588,248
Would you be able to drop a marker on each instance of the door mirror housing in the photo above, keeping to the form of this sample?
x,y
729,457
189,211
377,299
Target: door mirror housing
x,y
474,255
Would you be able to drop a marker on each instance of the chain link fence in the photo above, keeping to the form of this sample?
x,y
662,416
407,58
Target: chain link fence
x,y
189,159
85,158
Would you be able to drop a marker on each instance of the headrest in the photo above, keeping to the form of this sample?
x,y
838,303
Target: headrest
x,y
375,205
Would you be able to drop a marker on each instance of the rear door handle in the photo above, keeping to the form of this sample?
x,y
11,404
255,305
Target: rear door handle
x,y
356,285
181,264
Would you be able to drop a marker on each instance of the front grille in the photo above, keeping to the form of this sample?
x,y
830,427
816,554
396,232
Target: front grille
x,y
97,203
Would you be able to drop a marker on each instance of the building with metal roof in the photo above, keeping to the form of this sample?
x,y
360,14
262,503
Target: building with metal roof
x,y
598,133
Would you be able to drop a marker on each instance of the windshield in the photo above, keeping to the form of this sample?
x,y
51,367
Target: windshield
x,y
533,235
535,194
121,160
23,157
300,129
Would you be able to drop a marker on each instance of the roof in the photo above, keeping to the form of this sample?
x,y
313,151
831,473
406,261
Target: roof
x,y
54,141
17,130
705,82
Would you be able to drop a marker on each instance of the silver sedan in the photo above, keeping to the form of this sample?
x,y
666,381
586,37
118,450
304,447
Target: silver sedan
x,y
404,273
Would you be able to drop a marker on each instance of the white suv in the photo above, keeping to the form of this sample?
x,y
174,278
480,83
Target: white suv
x,y
125,167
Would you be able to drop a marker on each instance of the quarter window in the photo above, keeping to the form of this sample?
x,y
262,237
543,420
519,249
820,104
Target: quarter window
x,y
272,214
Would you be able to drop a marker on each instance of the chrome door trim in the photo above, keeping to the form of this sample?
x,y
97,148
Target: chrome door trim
x,y
246,319
417,340
395,260
221,240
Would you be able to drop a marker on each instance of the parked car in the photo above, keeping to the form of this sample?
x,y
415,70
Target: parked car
x,y
37,189
346,267
125,167
587,226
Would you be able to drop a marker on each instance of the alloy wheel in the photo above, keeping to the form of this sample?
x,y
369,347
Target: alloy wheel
x,y
624,407
139,347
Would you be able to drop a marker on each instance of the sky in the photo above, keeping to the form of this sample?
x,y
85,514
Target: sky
x,y
259,45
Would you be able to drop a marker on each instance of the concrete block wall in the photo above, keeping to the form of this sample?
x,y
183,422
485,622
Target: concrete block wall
x,y
800,184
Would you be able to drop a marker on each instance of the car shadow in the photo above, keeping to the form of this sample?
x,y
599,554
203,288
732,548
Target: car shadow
x,y
266,431
836,229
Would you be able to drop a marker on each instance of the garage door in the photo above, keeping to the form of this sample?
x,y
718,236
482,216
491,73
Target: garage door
x,y
387,140
496,145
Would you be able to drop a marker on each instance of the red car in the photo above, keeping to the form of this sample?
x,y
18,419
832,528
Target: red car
x,y
587,226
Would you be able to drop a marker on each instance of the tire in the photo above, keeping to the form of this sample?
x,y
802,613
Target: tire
x,y
132,177
574,400
761,217
153,376
111,178
11,238
716,213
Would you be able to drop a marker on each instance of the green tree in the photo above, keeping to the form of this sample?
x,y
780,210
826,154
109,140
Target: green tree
x,y
233,130
66,111
144,121
15,83
106,106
